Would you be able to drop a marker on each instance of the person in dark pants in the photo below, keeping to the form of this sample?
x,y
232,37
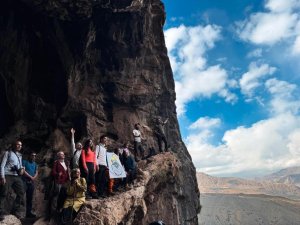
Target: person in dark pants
x,y
160,134
130,168
11,170
101,176
138,148
29,177
88,157
60,174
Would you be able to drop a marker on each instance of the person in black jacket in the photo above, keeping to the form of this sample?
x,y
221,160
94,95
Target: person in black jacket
x,y
130,167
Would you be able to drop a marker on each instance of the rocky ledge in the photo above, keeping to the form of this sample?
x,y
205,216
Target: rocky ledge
x,y
156,195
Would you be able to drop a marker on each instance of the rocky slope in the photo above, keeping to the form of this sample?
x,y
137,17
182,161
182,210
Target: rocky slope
x,y
98,66
286,176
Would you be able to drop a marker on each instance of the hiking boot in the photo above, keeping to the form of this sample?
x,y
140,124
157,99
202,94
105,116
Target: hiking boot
x,y
94,196
111,194
88,197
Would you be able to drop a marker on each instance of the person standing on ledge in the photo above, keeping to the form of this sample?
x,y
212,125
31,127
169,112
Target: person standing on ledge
x,y
30,175
160,133
76,151
11,170
138,148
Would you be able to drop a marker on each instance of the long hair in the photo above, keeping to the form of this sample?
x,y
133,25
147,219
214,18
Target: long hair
x,y
87,145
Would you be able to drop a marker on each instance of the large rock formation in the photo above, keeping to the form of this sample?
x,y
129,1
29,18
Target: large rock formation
x,y
98,66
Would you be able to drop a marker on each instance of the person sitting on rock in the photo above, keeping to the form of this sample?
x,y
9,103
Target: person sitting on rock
x,y
138,148
75,191
11,170
160,133
130,168
89,167
29,177
76,151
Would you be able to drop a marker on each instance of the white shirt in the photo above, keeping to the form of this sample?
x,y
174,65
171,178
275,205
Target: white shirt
x,y
137,135
64,165
101,155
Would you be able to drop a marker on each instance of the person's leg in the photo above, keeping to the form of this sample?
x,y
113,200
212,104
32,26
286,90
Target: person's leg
x,y
141,150
165,142
92,186
102,181
62,195
29,197
159,140
135,150
18,188
3,193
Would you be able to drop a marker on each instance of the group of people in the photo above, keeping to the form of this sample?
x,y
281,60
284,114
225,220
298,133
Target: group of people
x,y
18,174
85,175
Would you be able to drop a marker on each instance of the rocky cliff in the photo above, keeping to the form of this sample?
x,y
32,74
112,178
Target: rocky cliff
x,y
98,66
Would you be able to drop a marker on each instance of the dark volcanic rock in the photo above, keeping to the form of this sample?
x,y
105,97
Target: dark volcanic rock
x,y
98,66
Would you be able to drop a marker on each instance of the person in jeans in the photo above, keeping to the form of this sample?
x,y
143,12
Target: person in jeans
x,y
29,177
11,170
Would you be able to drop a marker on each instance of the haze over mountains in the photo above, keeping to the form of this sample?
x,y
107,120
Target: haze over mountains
x,y
273,199
283,183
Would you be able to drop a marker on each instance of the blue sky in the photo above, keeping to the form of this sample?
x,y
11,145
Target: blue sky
x,y
236,67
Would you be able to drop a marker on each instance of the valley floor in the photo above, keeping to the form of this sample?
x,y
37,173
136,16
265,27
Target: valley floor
x,y
240,209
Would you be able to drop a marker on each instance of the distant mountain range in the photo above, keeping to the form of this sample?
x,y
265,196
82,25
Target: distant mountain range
x,y
285,183
285,176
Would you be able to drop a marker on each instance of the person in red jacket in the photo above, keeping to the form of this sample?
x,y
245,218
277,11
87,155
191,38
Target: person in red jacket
x,y
60,173
89,166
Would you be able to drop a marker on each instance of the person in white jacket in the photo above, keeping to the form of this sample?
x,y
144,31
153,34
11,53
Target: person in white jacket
x,y
11,170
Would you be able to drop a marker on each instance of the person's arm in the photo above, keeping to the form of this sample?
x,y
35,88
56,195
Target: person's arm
x,y
81,184
73,141
83,160
3,163
36,172
95,161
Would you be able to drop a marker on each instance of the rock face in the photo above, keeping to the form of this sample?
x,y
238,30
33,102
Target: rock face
x,y
98,66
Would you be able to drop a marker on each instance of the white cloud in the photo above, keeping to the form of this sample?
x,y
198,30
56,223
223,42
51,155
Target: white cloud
x,y
294,142
256,53
283,97
268,28
205,123
253,78
278,23
267,145
296,46
282,5
187,47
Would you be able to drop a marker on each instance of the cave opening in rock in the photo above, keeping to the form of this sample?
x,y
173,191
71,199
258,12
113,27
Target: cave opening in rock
x,y
48,76
6,113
